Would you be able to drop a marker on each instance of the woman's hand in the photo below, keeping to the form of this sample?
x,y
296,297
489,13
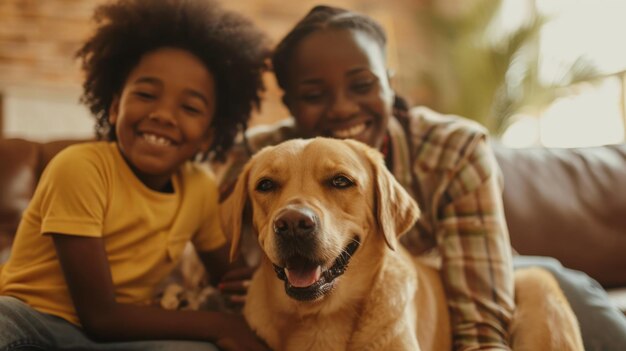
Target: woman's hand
x,y
237,336
234,286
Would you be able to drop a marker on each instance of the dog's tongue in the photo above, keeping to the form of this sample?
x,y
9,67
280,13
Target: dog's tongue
x,y
303,276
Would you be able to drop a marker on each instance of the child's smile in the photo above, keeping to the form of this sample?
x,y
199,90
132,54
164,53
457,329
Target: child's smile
x,y
157,140
164,114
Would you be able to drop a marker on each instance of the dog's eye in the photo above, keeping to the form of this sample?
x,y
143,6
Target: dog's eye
x,y
265,185
341,181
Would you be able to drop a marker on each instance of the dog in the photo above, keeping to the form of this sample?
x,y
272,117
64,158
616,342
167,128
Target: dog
x,y
327,215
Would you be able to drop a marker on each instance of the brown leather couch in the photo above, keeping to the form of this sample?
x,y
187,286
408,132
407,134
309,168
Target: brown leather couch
x,y
569,204
21,164
565,203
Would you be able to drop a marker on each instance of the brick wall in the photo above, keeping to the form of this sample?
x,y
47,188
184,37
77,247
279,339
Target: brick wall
x,y
38,39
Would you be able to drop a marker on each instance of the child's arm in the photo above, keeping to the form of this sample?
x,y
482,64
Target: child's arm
x,y
86,269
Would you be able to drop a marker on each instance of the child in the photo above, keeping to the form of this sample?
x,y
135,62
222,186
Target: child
x,y
168,81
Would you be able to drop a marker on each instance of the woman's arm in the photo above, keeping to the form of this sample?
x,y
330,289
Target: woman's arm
x,y
86,270
216,263
232,279
476,254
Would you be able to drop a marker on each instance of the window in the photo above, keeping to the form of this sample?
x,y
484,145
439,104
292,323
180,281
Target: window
x,y
577,36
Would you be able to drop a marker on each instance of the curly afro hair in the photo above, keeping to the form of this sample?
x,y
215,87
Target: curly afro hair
x,y
230,46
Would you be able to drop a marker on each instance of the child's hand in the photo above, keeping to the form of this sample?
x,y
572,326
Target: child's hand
x,y
237,336
234,285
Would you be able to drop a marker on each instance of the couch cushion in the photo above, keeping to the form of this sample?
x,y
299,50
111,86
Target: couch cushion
x,y
51,148
19,160
21,164
569,204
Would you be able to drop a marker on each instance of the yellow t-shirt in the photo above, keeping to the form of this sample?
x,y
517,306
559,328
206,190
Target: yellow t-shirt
x,y
89,190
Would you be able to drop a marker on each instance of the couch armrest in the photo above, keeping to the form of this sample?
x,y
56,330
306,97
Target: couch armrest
x,y
569,204
21,164
18,178
618,297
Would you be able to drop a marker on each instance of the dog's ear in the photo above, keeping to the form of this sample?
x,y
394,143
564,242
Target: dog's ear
x,y
233,212
396,211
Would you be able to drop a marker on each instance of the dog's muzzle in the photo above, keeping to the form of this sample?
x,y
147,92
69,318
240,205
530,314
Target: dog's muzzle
x,y
296,228
304,278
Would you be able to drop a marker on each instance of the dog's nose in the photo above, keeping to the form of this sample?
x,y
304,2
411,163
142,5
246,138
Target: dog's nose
x,y
296,221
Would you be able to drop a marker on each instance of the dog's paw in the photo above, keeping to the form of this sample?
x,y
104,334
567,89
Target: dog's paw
x,y
172,296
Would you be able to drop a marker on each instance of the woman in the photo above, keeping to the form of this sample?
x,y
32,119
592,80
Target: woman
x,y
332,69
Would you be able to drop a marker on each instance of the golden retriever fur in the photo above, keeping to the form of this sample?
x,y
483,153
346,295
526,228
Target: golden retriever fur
x,y
327,215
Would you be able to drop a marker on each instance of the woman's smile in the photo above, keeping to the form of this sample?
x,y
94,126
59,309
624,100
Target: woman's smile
x,y
349,132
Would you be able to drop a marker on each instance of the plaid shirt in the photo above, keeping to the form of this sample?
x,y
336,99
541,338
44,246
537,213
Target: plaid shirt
x,y
445,163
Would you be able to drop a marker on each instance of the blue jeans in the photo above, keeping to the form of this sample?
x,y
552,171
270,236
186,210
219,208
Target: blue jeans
x,y
602,325
24,328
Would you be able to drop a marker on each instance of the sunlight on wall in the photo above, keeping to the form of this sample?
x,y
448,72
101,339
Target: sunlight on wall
x,y
581,30
591,117
45,114
524,132
578,34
